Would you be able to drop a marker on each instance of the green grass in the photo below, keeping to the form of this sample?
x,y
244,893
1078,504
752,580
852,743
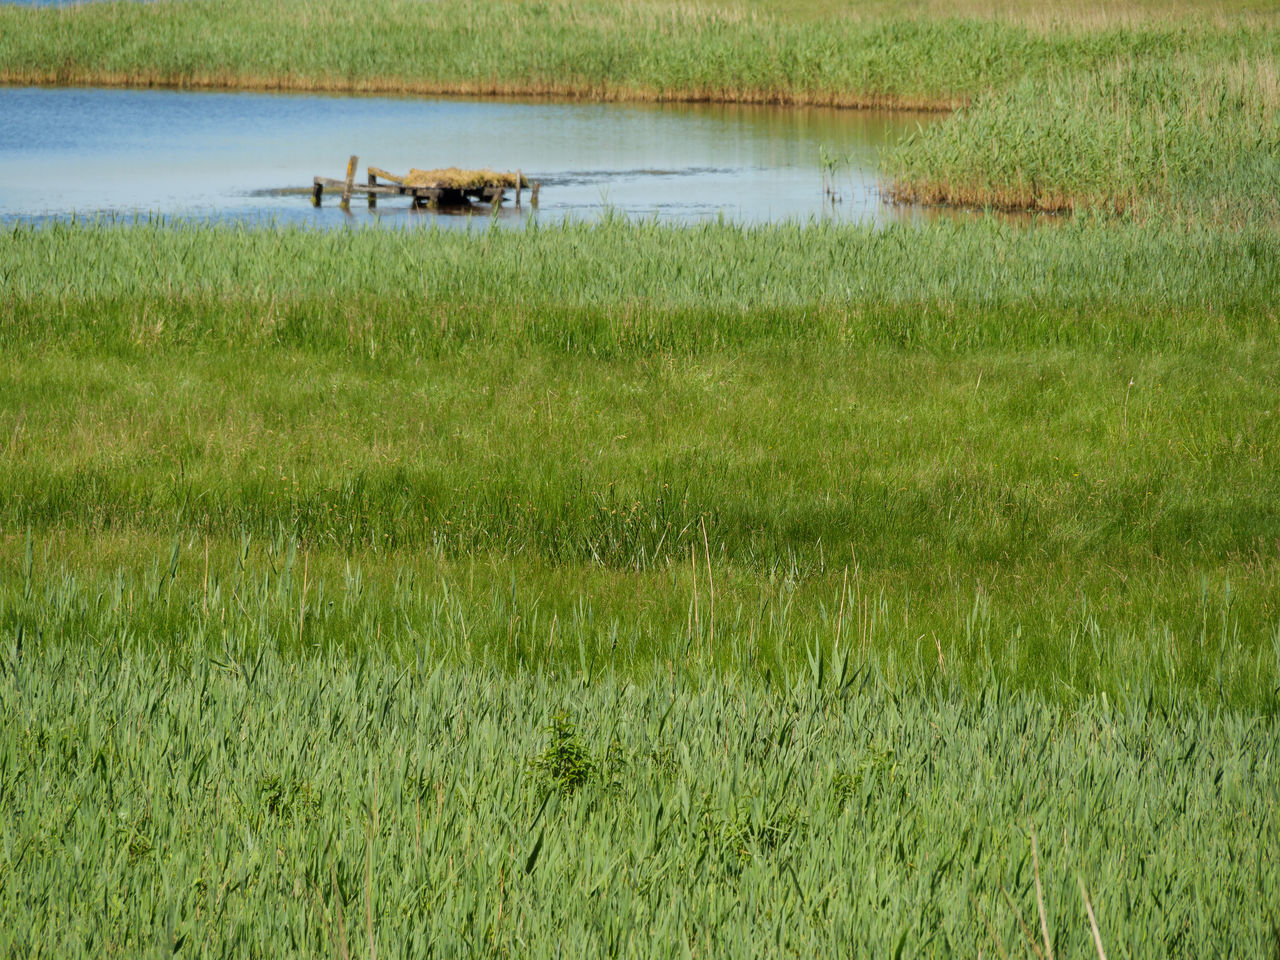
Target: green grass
x,y
1197,136
1046,455
621,286
633,51
641,590
245,805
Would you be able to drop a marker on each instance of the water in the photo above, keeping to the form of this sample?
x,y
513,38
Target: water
x,y
251,156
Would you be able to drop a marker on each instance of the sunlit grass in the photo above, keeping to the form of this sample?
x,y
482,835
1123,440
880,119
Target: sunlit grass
x,y
1151,136
640,590
240,804
635,590
1018,441
589,50
1051,15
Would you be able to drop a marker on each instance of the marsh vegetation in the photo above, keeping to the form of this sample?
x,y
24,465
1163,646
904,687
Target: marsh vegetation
x,y
634,589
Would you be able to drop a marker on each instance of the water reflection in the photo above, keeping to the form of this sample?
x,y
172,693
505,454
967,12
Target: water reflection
x,y
235,155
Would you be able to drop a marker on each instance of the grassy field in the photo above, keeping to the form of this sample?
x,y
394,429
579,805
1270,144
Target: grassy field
x,y
633,590
649,590
1010,450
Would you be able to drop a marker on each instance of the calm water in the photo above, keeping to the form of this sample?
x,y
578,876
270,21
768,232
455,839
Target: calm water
x,y
235,155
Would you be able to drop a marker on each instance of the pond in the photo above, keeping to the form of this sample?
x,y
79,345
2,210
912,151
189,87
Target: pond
x,y
252,156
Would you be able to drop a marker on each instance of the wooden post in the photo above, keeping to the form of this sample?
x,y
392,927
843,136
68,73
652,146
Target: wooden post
x,y
351,176
317,192
373,197
533,193
519,181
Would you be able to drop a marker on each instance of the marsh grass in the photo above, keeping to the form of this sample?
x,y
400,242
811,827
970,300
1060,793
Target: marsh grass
x,y
1172,632
1042,455
802,589
244,804
1052,16
1150,136
633,51
639,285
649,591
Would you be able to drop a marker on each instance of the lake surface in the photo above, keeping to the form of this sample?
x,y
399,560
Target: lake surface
x,y
235,156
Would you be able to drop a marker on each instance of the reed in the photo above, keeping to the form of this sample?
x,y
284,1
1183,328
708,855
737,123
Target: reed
x,y
1019,441
625,589
240,804
481,47
1155,136
636,50
623,284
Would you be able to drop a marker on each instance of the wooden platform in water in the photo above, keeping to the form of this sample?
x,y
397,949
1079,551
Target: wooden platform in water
x,y
441,196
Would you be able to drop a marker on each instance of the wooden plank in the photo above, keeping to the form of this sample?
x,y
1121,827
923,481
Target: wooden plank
x,y
403,190
351,176
379,172
387,189
489,193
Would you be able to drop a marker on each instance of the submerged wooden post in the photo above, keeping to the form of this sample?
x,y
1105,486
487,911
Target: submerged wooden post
x,y
351,176
317,191
533,193
373,197
519,181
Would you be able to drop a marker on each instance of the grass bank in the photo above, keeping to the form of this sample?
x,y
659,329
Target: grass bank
x,y
1195,137
980,451
592,50
634,51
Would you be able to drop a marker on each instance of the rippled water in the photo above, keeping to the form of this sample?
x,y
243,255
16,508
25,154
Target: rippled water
x,y
251,156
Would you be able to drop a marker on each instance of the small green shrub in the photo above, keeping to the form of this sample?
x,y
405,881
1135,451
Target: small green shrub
x,y
566,764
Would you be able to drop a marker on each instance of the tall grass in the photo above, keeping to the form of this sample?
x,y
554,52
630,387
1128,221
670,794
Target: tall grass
x,y
1149,134
804,589
241,804
632,50
600,51
1169,633
1052,16
640,286
1020,441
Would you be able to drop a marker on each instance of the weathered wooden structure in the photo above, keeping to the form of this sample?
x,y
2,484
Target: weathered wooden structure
x,y
435,195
